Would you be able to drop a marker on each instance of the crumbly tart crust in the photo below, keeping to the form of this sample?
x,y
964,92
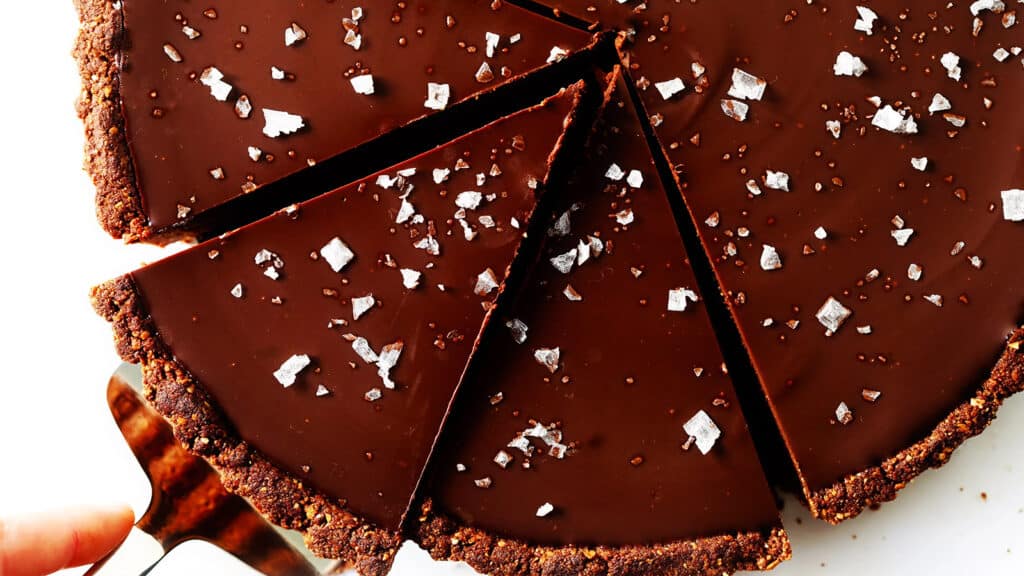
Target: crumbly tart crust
x,y
849,497
448,539
330,530
107,157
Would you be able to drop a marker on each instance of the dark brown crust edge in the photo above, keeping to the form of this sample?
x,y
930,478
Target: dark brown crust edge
x,y
107,157
330,530
850,496
448,539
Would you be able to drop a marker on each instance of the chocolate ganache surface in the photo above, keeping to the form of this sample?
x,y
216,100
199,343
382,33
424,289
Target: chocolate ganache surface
x,y
333,334
221,98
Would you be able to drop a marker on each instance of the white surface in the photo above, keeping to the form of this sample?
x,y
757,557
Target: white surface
x,y
59,445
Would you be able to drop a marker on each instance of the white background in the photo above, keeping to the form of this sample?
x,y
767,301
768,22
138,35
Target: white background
x,y
58,444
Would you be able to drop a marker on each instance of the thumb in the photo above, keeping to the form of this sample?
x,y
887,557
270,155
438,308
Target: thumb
x,y
43,543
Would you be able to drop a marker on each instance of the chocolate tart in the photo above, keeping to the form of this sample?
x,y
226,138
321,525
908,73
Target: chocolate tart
x,y
854,173
189,106
311,356
597,431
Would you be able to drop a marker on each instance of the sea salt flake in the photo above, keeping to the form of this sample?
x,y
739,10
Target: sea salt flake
x,y
635,179
484,482
834,127
895,121
337,254
172,53
276,73
678,298
388,359
213,79
849,65
776,180
254,153
548,358
1001,54
703,429
980,6
564,262
820,233
920,164
753,187
902,236
866,18
951,62
557,54
362,347
545,509
571,294
429,245
277,123
484,74
976,262
362,84
322,391
746,86
405,212
832,314
939,104
238,290
914,272
362,305
670,88
614,172
625,217
735,109
697,68
353,39
486,282
1013,205
411,278
870,395
190,32
290,369
491,41
373,394
843,414
502,458
294,34
864,329
770,259
437,96
518,329
469,200
935,299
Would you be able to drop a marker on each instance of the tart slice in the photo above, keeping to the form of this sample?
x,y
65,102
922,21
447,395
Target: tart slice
x,y
190,105
856,178
311,356
597,430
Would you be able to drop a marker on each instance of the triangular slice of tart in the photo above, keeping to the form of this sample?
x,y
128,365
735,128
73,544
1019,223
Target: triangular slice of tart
x,y
597,430
189,106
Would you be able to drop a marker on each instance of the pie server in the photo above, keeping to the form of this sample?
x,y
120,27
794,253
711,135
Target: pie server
x,y
189,502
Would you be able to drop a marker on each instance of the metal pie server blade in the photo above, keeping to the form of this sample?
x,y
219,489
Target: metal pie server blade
x,y
189,502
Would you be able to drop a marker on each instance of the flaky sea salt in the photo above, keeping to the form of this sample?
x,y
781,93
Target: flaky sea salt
x,y
703,430
362,305
437,96
337,254
678,298
849,65
770,259
290,369
362,84
277,123
832,314
486,282
746,86
895,121
548,358
1013,205
411,278
670,88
